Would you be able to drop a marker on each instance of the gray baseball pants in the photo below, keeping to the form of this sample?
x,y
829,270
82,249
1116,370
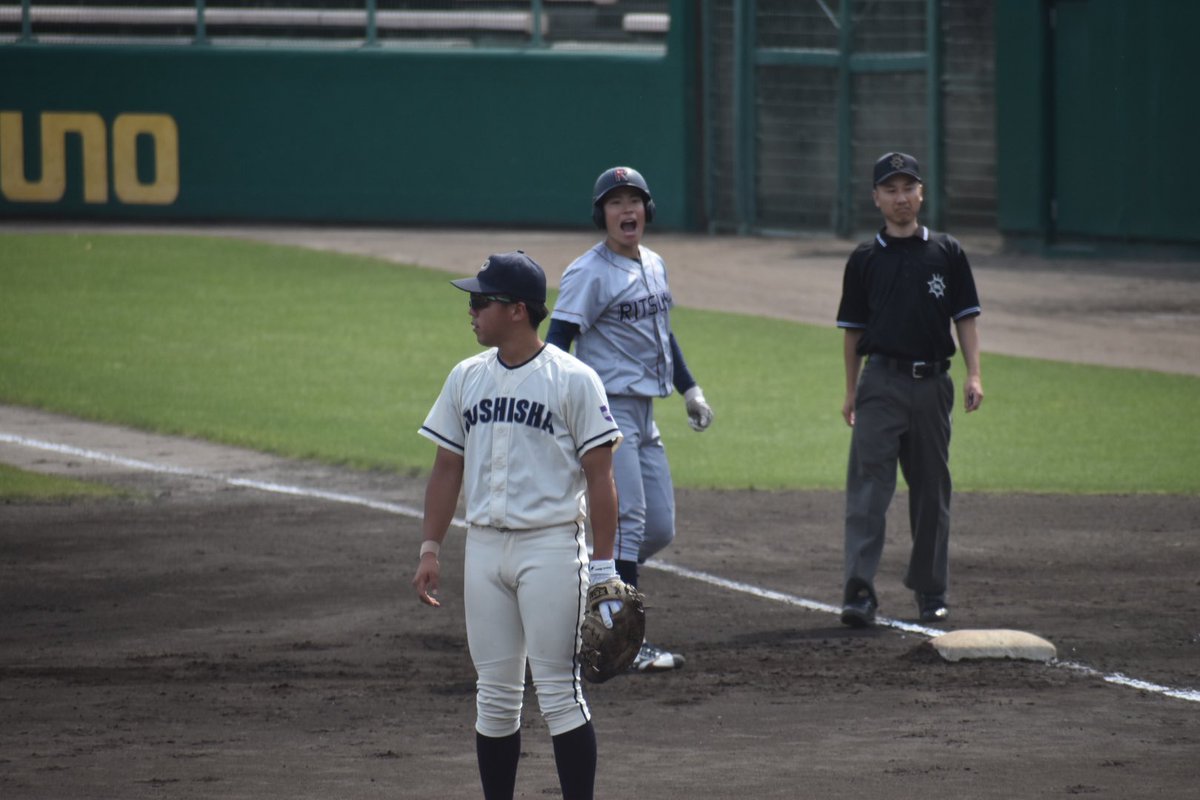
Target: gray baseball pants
x,y
905,420
645,492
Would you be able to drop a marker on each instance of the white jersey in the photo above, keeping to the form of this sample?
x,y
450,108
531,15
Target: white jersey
x,y
522,431
622,307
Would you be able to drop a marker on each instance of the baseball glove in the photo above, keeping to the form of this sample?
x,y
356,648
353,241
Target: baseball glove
x,y
609,651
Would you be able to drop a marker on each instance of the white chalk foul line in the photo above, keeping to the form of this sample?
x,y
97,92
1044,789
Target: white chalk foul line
x,y
1121,679
812,605
782,597
1116,678
170,469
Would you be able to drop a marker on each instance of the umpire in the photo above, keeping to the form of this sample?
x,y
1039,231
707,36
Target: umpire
x,y
900,292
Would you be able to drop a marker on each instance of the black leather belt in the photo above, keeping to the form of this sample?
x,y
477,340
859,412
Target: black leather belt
x,y
913,369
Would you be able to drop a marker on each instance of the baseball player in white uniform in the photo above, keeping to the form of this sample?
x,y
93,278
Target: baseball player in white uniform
x,y
526,430
614,303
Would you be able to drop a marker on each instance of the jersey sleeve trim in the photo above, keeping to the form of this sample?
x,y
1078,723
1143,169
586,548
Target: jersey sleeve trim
x,y
841,323
440,440
973,311
568,316
610,435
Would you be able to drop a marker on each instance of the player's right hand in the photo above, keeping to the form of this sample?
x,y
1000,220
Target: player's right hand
x,y
425,582
848,410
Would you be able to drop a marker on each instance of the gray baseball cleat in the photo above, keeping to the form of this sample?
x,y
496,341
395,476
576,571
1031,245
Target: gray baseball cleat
x,y
655,659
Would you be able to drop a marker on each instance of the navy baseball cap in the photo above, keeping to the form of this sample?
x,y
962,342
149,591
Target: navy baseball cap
x,y
890,164
514,275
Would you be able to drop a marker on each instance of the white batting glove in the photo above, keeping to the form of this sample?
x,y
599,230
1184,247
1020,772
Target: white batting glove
x,y
599,572
700,415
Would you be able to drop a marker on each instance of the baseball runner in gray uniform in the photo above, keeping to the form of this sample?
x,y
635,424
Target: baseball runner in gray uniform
x,y
525,429
614,303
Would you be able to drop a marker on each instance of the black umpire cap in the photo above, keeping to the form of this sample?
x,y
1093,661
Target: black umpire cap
x,y
890,164
514,275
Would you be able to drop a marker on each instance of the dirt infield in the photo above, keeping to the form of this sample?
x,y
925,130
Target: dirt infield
x,y
204,639
212,636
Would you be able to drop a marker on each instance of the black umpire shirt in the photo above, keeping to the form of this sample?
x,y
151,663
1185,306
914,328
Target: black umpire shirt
x,y
903,294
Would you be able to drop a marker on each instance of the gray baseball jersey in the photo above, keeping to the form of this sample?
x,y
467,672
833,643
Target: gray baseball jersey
x,y
521,431
622,308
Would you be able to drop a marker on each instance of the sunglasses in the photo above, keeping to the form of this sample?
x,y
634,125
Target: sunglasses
x,y
481,301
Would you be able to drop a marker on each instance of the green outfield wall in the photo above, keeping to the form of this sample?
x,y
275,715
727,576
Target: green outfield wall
x,y
370,135
1097,119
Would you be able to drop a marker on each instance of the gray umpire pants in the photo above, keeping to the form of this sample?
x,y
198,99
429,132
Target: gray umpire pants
x,y
899,418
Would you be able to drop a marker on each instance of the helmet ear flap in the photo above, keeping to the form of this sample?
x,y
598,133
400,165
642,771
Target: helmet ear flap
x,y
649,210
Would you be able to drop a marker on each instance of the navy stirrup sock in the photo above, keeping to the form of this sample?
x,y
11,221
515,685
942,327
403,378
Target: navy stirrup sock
x,y
498,757
575,759
628,570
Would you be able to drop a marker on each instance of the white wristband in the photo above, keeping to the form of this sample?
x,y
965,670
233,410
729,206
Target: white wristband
x,y
694,393
430,546
601,571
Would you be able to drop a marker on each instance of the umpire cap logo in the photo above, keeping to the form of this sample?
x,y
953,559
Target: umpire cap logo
x,y
890,164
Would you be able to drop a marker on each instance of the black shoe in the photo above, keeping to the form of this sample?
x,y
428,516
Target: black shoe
x,y
860,612
932,607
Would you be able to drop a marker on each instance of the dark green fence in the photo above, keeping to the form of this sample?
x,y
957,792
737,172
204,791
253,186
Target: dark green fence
x,y
802,97
1098,116
496,135
1051,120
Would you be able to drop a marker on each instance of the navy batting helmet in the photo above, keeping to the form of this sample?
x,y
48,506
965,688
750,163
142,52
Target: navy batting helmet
x,y
612,179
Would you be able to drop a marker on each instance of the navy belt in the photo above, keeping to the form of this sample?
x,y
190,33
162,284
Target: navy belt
x,y
913,369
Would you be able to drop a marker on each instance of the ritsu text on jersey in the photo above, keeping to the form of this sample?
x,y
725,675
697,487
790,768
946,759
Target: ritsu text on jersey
x,y
644,307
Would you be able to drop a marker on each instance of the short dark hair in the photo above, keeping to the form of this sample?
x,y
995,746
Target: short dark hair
x,y
537,312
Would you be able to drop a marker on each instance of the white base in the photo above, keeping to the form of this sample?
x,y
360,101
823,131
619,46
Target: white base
x,y
957,645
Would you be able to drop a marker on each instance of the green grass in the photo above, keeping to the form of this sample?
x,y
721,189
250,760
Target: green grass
x,y
339,358
17,485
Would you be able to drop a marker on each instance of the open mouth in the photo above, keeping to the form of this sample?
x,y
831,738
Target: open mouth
x,y
629,225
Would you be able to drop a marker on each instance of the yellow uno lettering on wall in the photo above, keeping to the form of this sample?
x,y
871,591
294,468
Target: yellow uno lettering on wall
x,y
161,128
89,126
